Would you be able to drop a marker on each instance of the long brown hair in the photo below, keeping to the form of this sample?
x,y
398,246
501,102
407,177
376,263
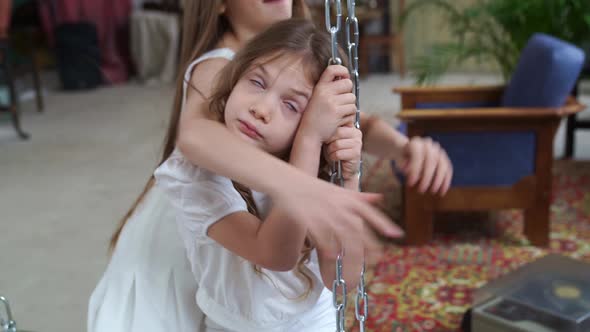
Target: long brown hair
x,y
296,37
202,29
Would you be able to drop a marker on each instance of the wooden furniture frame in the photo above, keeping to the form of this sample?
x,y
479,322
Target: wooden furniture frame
x,y
531,193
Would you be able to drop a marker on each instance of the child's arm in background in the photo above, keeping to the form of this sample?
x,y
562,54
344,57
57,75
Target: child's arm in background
x,y
423,161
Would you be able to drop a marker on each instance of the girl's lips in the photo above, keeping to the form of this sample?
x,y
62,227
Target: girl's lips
x,y
249,130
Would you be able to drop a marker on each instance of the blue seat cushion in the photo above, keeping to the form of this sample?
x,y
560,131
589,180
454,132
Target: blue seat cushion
x,y
489,158
545,75
496,159
483,158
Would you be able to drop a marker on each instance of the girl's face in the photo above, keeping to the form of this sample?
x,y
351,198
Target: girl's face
x,y
258,14
267,103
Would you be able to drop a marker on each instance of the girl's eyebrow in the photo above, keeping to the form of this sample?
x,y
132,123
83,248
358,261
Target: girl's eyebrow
x,y
299,93
292,90
264,71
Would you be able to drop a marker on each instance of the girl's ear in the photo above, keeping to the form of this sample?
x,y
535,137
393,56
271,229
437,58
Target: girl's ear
x,y
222,8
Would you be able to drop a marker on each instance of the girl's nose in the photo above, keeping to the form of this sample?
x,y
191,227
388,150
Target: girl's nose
x,y
262,110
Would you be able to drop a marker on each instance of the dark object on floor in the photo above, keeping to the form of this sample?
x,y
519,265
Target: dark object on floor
x,y
78,55
77,51
550,294
106,25
466,321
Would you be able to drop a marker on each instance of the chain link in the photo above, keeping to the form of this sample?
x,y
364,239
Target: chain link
x,y
361,294
339,306
334,29
352,47
336,175
7,324
353,67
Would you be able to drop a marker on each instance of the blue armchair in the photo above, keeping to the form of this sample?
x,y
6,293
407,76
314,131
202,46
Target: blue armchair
x,y
499,139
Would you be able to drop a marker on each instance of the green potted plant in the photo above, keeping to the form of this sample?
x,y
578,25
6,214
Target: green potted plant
x,y
497,31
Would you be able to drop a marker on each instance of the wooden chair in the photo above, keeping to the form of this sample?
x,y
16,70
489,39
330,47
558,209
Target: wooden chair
x,y
9,70
499,139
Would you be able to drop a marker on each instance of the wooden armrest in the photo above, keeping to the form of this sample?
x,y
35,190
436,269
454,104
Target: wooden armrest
x,y
572,106
422,90
412,96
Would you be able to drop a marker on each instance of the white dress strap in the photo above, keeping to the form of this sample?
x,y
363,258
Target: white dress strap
x,y
225,53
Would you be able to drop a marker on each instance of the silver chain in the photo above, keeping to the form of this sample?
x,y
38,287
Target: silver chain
x,y
353,63
7,324
339,306
361,295
336,176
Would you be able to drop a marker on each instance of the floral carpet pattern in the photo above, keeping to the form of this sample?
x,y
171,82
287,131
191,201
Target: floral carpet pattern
x,y
428,288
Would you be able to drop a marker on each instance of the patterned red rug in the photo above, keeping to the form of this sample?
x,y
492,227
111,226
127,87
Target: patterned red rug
x,y
428,288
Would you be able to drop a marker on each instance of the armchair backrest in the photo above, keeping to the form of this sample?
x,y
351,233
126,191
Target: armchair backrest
x,y
545,74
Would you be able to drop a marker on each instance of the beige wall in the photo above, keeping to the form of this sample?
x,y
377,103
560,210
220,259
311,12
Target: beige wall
x,y
427,27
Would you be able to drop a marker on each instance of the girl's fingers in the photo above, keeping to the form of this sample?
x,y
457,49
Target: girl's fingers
x,y
345,99
431,158
344,133
346,111
377,219
440,175
344,155
341,86
447,183
415,162
372,245
341,144
333,72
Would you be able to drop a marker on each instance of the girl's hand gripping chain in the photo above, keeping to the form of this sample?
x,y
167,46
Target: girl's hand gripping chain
x,y
346,145
332,105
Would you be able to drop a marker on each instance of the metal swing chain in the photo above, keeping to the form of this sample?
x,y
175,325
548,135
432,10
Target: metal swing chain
x,y
352,47
353,67
7,324
336,176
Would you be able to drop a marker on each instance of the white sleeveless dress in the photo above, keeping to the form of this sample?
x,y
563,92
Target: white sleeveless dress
x,y
148,285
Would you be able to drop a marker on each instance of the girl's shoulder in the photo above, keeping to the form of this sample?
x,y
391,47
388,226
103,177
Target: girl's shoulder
x,y
226,53
204,70
210,60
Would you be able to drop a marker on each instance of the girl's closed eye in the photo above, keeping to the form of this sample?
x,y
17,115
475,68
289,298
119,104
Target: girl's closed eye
x,y
292,106
257,82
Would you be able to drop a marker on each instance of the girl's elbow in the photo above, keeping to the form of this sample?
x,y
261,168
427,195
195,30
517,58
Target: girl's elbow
x,y
188,140
280,262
